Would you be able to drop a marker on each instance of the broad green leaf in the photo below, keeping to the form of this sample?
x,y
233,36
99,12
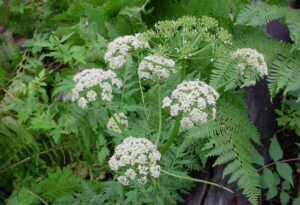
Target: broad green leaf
x,y
268,178
275,150
296,202
284,197
258,159
272,192
285,185
285,171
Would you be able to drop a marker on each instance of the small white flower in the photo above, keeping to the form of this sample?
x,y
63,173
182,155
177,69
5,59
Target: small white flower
x,y
91,80
195,99
123,180
155,67
121,119
166,102
155,171
251,61
82,102
135,159
91,95
118,49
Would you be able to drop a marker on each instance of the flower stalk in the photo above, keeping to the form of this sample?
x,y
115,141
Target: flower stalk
x,y
197,180
178,118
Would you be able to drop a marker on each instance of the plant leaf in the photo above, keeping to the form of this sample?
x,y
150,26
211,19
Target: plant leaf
x,y
285,171
275,150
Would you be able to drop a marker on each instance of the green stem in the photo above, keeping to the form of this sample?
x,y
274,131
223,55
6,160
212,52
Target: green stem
x,y
176,127
159,115
173,135
36,196
203,49
183,70
196,180
120,126
281,161
143,100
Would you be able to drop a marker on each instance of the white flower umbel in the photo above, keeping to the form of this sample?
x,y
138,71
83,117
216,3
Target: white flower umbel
x,y
91,82
121,119
252,63
135,159
118,49
195,100
155,67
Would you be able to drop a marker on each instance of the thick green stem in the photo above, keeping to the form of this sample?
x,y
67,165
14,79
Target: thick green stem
x,y
176,127
197,180
159,115
173,134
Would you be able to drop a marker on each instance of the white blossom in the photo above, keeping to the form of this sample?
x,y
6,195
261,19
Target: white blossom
x,y
195,100
118,49
155,67
135,159
90,81
251,62
121,119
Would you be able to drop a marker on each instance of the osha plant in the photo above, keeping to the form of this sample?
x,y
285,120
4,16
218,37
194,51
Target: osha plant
x,y
158,57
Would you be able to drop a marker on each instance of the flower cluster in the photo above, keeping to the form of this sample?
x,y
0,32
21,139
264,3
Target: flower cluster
x,y
118,49
195,100
251,62
122,121
136,159
155,67
187,35
90,81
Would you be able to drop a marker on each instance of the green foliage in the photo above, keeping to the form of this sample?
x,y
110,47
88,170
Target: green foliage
x,y
231,146
275,150
54,152
290,115
285,76
57,183
279,179
262,13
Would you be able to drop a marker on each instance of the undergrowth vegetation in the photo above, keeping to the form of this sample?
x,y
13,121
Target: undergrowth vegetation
x,y
122,102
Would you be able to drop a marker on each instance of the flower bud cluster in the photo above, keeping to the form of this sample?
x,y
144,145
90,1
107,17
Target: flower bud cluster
x,y
90,82
121,120
155,67
251,61
195,100
118,49
136,160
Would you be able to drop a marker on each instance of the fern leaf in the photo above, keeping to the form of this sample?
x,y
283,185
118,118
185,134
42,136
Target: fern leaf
x,y
231,146
260,14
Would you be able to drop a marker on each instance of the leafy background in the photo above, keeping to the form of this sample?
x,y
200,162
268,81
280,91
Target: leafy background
x,y
53,153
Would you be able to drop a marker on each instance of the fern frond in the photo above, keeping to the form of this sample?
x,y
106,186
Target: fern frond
x,y
231,146
285,75
260,14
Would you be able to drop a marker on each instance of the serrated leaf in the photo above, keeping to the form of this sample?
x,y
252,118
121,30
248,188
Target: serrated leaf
x,y
285,171
284,197
104,152
275,150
